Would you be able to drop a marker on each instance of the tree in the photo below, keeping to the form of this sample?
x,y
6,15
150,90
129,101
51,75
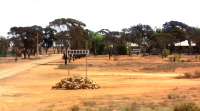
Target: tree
x,y
109,40
26,40
162,40
4,45
74,29
196,37
141,35
180,31
96,42
49,38
70,34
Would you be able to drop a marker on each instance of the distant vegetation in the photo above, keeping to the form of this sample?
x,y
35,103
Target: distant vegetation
x,y
65,33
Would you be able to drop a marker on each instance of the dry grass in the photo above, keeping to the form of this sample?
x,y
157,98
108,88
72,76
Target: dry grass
x,y
185,106
119,79
190,75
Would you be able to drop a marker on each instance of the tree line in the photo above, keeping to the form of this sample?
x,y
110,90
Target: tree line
x,y
62,33
148,40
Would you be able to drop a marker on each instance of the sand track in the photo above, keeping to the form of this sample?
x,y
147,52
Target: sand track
x,y
4,73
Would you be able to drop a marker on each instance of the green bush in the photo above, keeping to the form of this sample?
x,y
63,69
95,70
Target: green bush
x,y
3,53
121,49
100,49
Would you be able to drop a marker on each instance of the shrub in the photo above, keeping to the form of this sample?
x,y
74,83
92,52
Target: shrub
x,y
197,57
173,96
121,49
165,53
75,108
193,75
175,58
131,107
197,74
100,49
171,58
186,107
187,75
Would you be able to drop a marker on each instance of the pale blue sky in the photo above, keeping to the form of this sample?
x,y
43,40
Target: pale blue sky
x,y
97,14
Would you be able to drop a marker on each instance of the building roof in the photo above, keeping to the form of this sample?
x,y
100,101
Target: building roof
x,y
184,43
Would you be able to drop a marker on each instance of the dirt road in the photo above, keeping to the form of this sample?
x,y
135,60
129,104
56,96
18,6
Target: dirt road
x,y
4,73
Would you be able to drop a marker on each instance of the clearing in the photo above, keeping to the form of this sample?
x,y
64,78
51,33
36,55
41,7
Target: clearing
x,y
147,80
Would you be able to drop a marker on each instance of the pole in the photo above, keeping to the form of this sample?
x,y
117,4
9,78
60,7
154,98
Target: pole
x,y
68,64
86,68
68,70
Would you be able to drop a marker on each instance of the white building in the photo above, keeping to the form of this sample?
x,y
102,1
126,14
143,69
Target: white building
x,y
184,44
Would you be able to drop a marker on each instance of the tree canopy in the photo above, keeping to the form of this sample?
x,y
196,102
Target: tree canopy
x,y
62,33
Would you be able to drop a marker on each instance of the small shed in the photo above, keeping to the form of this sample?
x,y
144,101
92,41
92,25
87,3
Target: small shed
x,y
184,44
183,47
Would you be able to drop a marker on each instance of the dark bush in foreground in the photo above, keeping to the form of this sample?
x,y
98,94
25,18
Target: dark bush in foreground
x,y
73,83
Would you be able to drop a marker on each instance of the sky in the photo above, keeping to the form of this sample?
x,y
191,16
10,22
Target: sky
x,y
98,14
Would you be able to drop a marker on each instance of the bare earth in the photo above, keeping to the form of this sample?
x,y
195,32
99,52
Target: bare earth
x,y
27,86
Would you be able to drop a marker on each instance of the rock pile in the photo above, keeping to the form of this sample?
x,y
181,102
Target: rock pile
x,y
73,83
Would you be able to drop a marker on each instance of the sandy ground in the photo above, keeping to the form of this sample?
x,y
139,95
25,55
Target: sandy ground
x,y
18,67
121,79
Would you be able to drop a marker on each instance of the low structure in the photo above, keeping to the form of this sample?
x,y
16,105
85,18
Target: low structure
x,y
183,47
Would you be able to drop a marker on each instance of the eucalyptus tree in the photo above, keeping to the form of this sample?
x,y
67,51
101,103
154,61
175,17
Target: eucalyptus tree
x,y
49,38
180,31
92,41
110,39
127,39
70,33
26,40
107,41
4,45
70,29
141,35
162,40
37,34
196,37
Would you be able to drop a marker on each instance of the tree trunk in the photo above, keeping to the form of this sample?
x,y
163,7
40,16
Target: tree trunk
x,y
190,46
47,51
65,58
95,50
25,52
109,53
